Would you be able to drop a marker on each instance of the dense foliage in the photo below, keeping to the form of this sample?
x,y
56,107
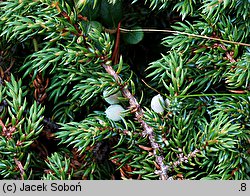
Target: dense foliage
x,y
77,79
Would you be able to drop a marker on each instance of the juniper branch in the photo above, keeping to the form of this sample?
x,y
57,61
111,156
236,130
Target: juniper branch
x,y
148,130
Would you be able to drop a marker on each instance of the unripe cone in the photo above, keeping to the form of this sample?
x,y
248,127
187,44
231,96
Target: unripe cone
x,y
157,104
114,112
111,99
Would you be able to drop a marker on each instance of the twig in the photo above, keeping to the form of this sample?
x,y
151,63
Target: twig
x,y
20,166
184,33
231,59
11,65
151,87
148,131
4,129
115,54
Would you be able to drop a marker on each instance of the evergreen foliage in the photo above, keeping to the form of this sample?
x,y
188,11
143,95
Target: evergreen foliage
x,y
60,63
